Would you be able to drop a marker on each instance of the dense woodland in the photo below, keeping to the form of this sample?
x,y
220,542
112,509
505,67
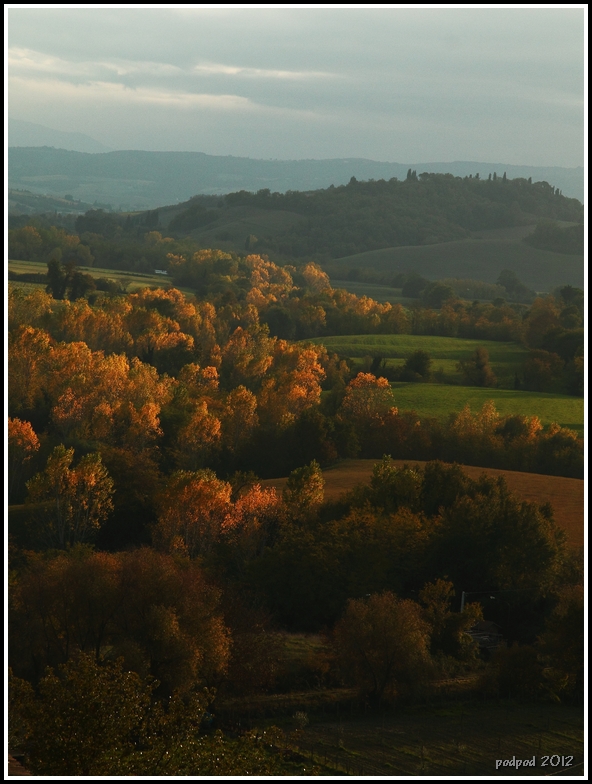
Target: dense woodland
x,y
156,575
420,210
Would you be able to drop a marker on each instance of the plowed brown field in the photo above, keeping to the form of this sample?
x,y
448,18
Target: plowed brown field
x,y
566,496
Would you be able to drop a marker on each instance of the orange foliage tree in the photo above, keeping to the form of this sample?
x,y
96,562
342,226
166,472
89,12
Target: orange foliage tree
x,y
22,444
195,510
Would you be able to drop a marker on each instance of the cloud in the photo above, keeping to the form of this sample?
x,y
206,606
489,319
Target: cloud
x,y
30,60
25,91
372,82
260,73
21,59
113,92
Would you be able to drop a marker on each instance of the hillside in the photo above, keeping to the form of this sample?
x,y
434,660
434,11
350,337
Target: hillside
x,y
136,179
27,203
473,257
436,225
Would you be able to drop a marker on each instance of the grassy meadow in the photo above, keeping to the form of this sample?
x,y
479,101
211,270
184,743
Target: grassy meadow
x,y
506,358
439,400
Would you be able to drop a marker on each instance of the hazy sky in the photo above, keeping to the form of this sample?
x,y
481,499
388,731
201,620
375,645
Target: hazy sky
x,y
389,83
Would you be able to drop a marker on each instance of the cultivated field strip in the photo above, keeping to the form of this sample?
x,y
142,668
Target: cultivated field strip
x,y
455,741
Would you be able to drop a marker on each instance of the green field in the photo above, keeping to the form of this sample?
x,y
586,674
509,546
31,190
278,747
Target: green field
x,y
439,400
479,259
129,280
506,359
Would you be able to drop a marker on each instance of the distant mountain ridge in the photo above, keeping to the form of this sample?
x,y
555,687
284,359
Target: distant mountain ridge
x,y
27,134
136,179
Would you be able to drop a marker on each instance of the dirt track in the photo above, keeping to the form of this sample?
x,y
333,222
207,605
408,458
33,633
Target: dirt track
x,y
566,496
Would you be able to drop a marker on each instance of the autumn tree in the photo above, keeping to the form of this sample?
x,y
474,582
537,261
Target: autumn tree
x,y
195,509
382,644
71,502
27,308
154,610
198,439
315,279
239,418
22,444
28,352
292,384
367,398
246,357
541,369
256,519
448,635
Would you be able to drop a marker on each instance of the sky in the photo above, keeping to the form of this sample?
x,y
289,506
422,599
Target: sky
x,y
389,83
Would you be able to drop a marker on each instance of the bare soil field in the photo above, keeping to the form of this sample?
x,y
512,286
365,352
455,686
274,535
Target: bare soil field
x,y
565,495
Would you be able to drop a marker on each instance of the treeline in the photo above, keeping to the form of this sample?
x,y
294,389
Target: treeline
x,y
299,303
106,240
302,305
548,235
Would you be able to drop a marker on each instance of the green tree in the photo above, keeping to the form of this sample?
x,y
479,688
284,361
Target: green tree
x,y
304,491
417,366
436,294
83,718
562,646
57,279
477,370
514,286
392,487
101,720
414,285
